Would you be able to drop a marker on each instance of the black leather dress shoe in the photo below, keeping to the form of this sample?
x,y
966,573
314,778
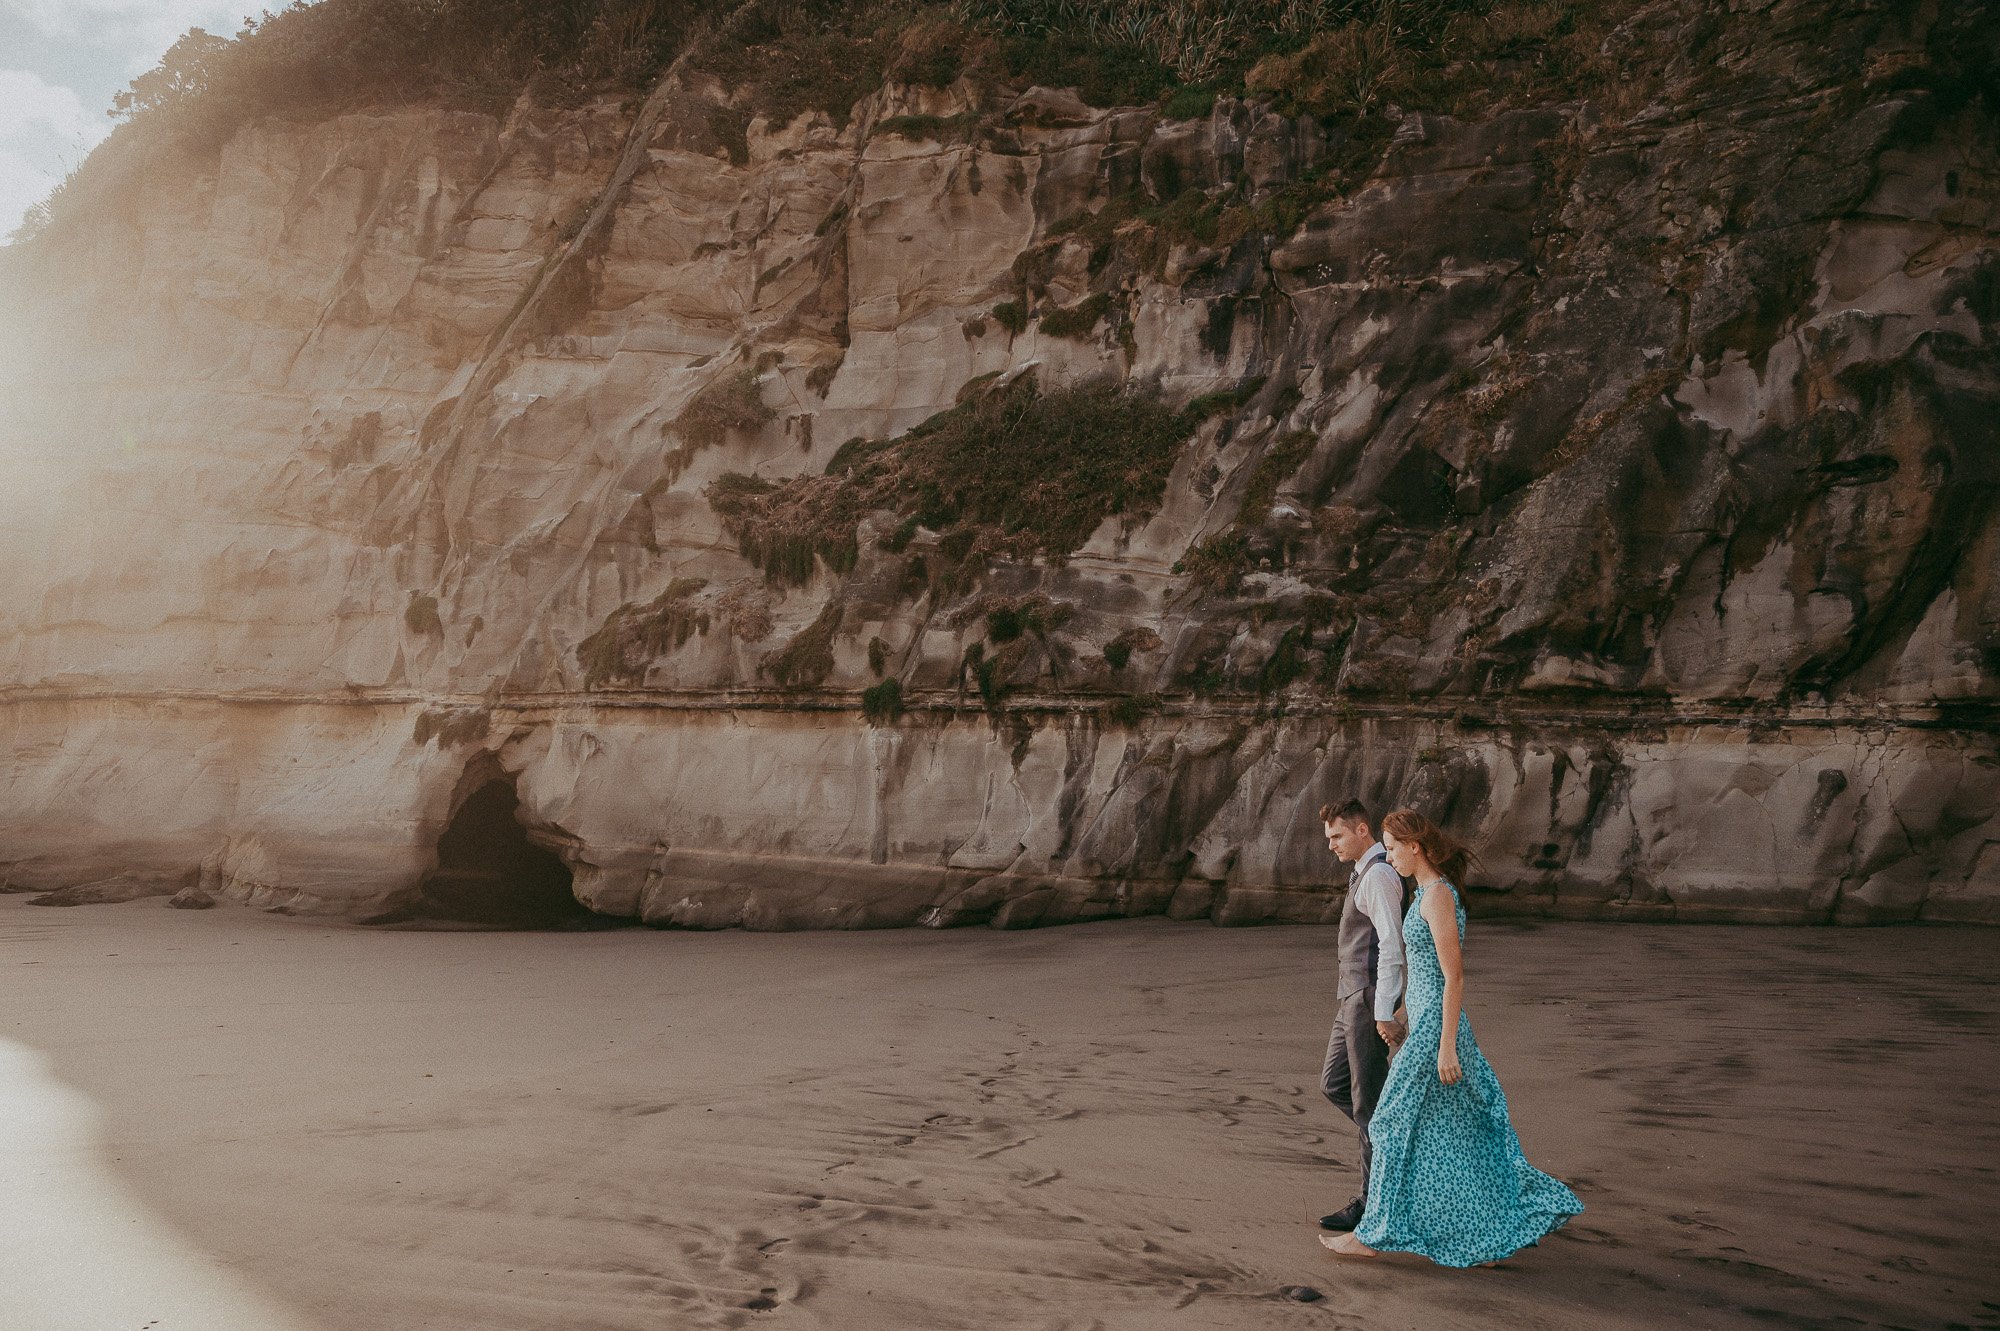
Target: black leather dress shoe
x,y
1346,1218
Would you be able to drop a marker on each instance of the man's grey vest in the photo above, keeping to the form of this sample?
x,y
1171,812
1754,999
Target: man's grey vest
x,y
1359,948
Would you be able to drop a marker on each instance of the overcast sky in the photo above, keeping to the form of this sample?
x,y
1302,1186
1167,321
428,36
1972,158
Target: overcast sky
x,y
60,63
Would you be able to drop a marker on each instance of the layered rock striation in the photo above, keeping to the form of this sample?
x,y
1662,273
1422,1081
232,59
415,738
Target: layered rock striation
x,y
992,508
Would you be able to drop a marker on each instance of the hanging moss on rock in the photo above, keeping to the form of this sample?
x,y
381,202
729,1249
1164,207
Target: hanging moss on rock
x,y
635,636
1012,472
883,702
807,659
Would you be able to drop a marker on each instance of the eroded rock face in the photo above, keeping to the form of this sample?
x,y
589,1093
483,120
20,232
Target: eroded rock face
x,y
1618,483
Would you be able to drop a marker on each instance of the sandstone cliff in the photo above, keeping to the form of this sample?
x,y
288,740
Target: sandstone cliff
x,y
1616,479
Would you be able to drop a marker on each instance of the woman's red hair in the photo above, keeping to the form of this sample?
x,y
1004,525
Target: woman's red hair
x,y
1440,847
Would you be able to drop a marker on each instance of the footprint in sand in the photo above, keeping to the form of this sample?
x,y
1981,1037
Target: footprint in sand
x,y
775,1296
992,1151
1693,1223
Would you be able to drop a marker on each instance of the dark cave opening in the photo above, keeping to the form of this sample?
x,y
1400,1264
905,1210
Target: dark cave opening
x,y
489,872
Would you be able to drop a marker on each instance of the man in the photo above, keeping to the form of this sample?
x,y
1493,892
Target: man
x,y
1370,944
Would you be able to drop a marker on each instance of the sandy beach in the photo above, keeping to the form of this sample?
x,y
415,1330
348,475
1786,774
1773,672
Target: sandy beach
x,y
1106,1126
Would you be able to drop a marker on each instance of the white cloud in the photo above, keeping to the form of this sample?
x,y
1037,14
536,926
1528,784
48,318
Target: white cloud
x,y
29,103
139,30
44,132
96,45
22,186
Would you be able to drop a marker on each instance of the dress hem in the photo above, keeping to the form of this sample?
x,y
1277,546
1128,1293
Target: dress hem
x,y
1390,1245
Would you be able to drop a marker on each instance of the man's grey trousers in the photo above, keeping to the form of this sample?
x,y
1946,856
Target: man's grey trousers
x,y
1357,1063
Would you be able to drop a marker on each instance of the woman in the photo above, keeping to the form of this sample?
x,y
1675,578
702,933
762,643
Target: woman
x,y
1449,1180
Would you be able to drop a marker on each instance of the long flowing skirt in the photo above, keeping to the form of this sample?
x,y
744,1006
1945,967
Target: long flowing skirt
x,y
1449,1180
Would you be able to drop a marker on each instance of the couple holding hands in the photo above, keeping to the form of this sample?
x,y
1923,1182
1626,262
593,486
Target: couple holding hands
x,y
1442,1169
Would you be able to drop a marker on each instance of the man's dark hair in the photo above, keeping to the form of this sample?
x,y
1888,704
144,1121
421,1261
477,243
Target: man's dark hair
x,y
1353,811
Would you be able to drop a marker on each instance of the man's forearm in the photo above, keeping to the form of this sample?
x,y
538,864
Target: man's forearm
x,y
1388,990
1390,967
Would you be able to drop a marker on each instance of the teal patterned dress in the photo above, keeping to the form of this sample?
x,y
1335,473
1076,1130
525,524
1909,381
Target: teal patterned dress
x,y
1449,1180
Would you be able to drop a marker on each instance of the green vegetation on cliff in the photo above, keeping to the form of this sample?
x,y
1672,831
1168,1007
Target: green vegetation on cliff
x,y
1342,60
338,55
1323,56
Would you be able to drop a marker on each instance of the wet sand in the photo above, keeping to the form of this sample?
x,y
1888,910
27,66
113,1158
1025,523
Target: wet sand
x,y
1106,1126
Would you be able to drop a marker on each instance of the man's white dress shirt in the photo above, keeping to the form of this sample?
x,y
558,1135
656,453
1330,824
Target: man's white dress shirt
x,y
1379,890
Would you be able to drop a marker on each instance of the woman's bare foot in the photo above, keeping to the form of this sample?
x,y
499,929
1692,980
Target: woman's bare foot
x,y
1346,1245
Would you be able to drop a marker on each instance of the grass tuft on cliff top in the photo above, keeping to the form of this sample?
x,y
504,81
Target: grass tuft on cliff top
x,y
1013,471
